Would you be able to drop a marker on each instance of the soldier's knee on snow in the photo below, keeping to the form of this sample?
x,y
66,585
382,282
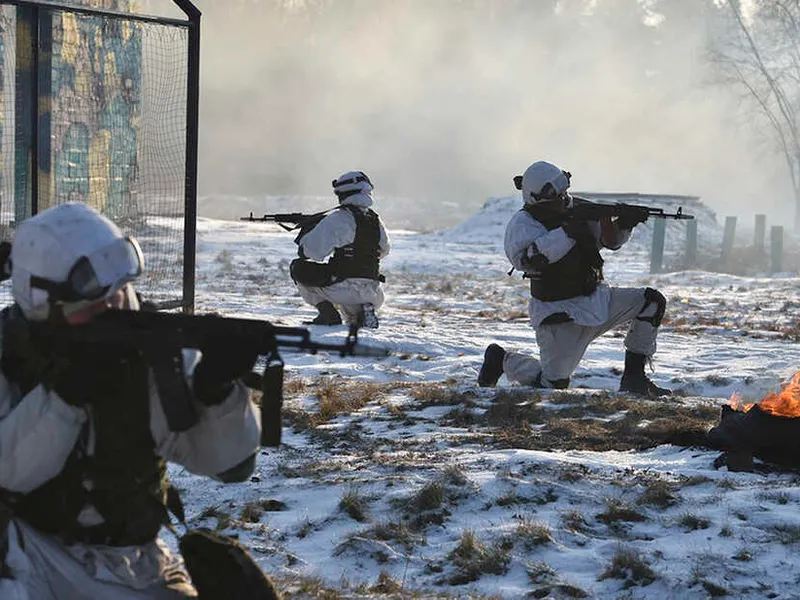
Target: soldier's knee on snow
x,y
653,297
240,472
559,384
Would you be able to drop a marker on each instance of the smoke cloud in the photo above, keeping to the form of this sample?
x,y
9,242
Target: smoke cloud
x,y
445,101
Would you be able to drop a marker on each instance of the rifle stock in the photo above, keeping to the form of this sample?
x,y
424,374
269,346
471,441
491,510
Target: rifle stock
x,y
166,334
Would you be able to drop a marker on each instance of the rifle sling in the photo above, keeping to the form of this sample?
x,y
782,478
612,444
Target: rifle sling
x,y
173,389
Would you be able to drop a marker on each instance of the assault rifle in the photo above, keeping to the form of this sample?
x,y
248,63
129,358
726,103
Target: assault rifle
x,y
297,220
584,210
162,336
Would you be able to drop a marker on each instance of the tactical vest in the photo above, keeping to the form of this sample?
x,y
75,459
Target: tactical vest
x,y
123,478
359,258
576,274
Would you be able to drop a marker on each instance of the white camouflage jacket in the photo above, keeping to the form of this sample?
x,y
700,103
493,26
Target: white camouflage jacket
x,y
39,430
338,229
526,237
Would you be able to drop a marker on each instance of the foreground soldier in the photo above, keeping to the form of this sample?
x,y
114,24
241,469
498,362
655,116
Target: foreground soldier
x,y
84,443
356,238
570,305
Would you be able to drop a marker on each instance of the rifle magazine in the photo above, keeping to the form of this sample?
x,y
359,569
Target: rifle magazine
x,y
272,405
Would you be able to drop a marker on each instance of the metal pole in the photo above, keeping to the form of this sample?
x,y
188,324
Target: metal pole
x,y
727,239
26,97
657,253
192,138
691,243
776,249
760,233
43,175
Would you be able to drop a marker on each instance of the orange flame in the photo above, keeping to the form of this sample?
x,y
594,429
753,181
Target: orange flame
x,y
785,403
736,403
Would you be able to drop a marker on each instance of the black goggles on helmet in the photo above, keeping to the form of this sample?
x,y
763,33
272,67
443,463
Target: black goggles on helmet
x,y
351,180
97,275
550,191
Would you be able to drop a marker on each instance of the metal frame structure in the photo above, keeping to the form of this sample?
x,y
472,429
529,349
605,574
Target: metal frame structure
x,y
32,12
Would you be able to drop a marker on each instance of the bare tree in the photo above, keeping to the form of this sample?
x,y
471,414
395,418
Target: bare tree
x,y
760,53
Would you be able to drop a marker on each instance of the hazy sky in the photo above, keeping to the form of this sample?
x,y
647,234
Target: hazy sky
x,y
437,104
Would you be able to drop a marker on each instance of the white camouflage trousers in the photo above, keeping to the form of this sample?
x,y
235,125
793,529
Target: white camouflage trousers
x,y
347,295
562,345
42,568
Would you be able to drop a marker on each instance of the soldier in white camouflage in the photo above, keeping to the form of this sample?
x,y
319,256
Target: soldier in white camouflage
x,y
84,439
570,303
353,239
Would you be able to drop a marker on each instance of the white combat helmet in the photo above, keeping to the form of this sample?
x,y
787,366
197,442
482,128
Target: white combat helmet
x,y
543,181
70,256
352,182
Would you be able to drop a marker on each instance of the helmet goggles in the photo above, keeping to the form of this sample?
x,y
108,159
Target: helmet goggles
x,y
97,275
360,177
554,190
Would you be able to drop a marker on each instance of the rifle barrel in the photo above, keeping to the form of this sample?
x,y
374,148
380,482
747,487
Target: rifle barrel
x,y
159,330
610,209
348,349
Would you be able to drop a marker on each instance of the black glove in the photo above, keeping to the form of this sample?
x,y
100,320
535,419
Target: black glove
x,y
222,363
631,218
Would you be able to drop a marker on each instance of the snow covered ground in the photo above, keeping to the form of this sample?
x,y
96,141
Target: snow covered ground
x,y
401,477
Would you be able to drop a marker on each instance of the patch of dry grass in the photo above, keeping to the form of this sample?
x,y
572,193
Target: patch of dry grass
x,y
617,511
354,504
223,517
786,534
659,493
294,386
692,522
460,417
531,533
432,502
394,531
429,497
694,480
335,397
628,565
439,395
574,521
385,584
583,422
472,558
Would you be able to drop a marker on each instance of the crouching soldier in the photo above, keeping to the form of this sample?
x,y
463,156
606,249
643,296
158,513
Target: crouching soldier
x,y
84,439
570,304
355,239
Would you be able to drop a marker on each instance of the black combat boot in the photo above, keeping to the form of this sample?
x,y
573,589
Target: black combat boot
x,y
492,366
634,380
328,315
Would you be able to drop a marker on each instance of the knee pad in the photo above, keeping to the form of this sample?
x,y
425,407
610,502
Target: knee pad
x,y
653,296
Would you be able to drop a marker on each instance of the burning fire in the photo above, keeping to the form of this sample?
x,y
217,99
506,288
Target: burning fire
x,y
785,403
